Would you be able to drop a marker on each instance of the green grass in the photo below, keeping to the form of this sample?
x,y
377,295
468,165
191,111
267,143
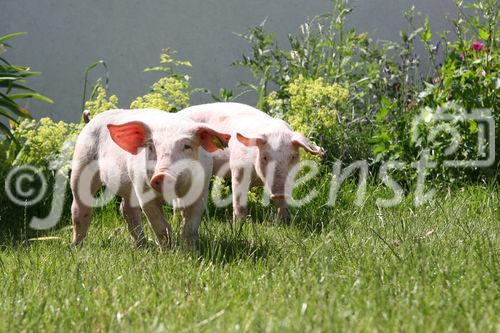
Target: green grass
x,y
346,268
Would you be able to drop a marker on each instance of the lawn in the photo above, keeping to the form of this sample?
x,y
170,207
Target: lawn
x,y
344,268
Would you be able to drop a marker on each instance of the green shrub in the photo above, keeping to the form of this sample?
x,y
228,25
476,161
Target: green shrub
x,y
12,82
170,93
312,108
43,142
325,48
469,75
100,102
467,81
48,146
389,84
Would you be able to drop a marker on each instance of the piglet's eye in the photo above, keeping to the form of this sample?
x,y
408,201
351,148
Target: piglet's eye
x,y
186,147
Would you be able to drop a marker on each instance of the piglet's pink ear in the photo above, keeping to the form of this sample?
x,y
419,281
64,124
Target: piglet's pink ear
x,y
210,139
129,136
250,141
301,141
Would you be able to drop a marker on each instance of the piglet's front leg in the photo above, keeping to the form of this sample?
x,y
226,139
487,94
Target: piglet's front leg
x,y
240,184
282,206
192,218
161,227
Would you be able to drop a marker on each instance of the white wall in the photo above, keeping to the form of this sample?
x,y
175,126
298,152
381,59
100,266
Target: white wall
x,y
66,36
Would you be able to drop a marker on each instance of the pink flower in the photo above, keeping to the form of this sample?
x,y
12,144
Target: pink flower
x,y
477,46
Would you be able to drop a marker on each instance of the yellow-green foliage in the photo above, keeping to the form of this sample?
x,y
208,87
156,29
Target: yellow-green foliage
x,y
168,94
312,105
171,92
43,140
167,57
223,185
100,102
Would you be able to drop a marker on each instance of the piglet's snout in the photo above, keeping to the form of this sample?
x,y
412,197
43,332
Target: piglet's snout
x,y
160,180
279,188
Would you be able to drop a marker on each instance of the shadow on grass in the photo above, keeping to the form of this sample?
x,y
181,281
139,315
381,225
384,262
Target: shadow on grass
x,y
229,244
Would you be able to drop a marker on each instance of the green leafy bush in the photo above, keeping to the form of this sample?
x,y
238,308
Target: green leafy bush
x,y
27,141
312,108
170,93
48,146
325,48
100,102
467,81
389,84
43,141
469,75
12,81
